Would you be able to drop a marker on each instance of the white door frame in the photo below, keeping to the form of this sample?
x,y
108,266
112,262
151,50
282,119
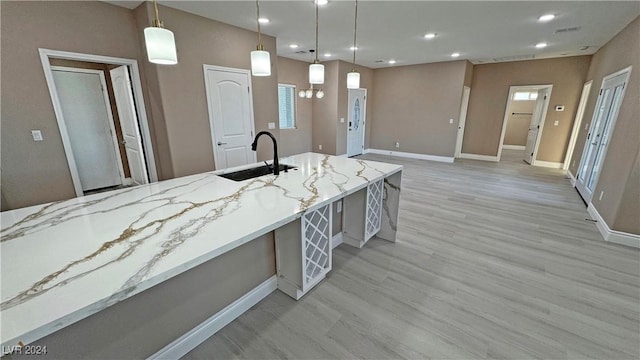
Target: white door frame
x,y
545,107
210,110
612,124
584,97
105,95
364,119
45,55
462,120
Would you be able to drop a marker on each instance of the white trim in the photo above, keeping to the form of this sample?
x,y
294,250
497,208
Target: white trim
x,y
547,164
196,336
577,122
613,236
345,155
513,147
572,178
464,107
206,68
445,159
479,157
545,108
336,240
45,55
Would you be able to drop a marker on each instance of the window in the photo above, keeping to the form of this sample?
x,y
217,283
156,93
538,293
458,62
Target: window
x,y
525,95
287,106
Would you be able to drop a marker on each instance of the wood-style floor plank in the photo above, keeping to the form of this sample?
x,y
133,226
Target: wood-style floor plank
x,y
492,260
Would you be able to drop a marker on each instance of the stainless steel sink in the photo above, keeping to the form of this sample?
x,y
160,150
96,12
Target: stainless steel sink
x,y
255,172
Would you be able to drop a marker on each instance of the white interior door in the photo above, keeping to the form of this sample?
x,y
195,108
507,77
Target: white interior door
x,y
356,117
597,142
89,123
129,124
534,127
230,115
586,89
462,119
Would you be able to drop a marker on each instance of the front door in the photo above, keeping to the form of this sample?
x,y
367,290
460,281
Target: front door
x,y
597,142
129,124
357,116
89,123
230,116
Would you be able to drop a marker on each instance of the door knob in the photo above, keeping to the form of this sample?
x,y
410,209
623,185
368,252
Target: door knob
x,y
221,143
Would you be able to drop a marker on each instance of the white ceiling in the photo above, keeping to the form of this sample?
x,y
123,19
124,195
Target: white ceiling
x,y
481,31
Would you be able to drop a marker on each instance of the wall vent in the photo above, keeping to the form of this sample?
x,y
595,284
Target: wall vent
x,y
566,30
301,52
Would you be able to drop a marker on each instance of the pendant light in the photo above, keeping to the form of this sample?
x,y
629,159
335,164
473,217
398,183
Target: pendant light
x,y
161,45
316,70
260,59
353,77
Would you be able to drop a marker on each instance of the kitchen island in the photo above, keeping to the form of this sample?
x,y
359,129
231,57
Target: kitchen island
x,y
64,261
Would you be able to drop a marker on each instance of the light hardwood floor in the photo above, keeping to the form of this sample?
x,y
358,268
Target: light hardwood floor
x,y
492,260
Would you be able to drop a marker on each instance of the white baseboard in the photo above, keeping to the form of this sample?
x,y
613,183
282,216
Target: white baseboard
x,y
196,336
479,157
513,147
613,236
572,178
336,240
410,155
548,164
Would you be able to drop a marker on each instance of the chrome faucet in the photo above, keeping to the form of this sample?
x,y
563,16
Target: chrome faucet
x,y
254,146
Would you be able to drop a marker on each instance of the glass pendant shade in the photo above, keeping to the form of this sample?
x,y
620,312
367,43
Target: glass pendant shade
x,y
353,80
260,63
161,46
301,93
320,94
316,74
309,94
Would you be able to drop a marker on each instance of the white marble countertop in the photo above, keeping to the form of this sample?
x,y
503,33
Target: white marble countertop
x,y
63,261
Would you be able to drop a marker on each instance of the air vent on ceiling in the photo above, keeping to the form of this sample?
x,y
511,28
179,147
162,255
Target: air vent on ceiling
x,y
379,61
566,30
515,58
301,52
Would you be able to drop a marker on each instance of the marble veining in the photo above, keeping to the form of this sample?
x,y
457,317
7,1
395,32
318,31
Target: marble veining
x,y
66,260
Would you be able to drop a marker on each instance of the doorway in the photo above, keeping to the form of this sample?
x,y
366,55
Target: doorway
x,y
462,120
70,101
357,119
524,120
230,103
85,104
603,122
586,89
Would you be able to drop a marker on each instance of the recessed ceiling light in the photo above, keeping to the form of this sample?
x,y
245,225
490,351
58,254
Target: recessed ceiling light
x,y
353,48
392,61
293,46
541,45
263,21
455,54
321,2
430,35
327,54
546,17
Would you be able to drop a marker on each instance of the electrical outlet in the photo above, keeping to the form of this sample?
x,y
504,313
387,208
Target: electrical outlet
x,y
339,207
272,125
37,135
556,123
319,147
601,194
450,121
397,144
342,120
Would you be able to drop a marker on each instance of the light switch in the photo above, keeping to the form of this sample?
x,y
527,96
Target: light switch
x,y
450,121
556,123
37,135
272,125
342,120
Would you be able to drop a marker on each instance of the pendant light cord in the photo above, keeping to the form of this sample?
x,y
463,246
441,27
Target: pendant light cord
x,y
260,47
156,21
316,33
355,32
